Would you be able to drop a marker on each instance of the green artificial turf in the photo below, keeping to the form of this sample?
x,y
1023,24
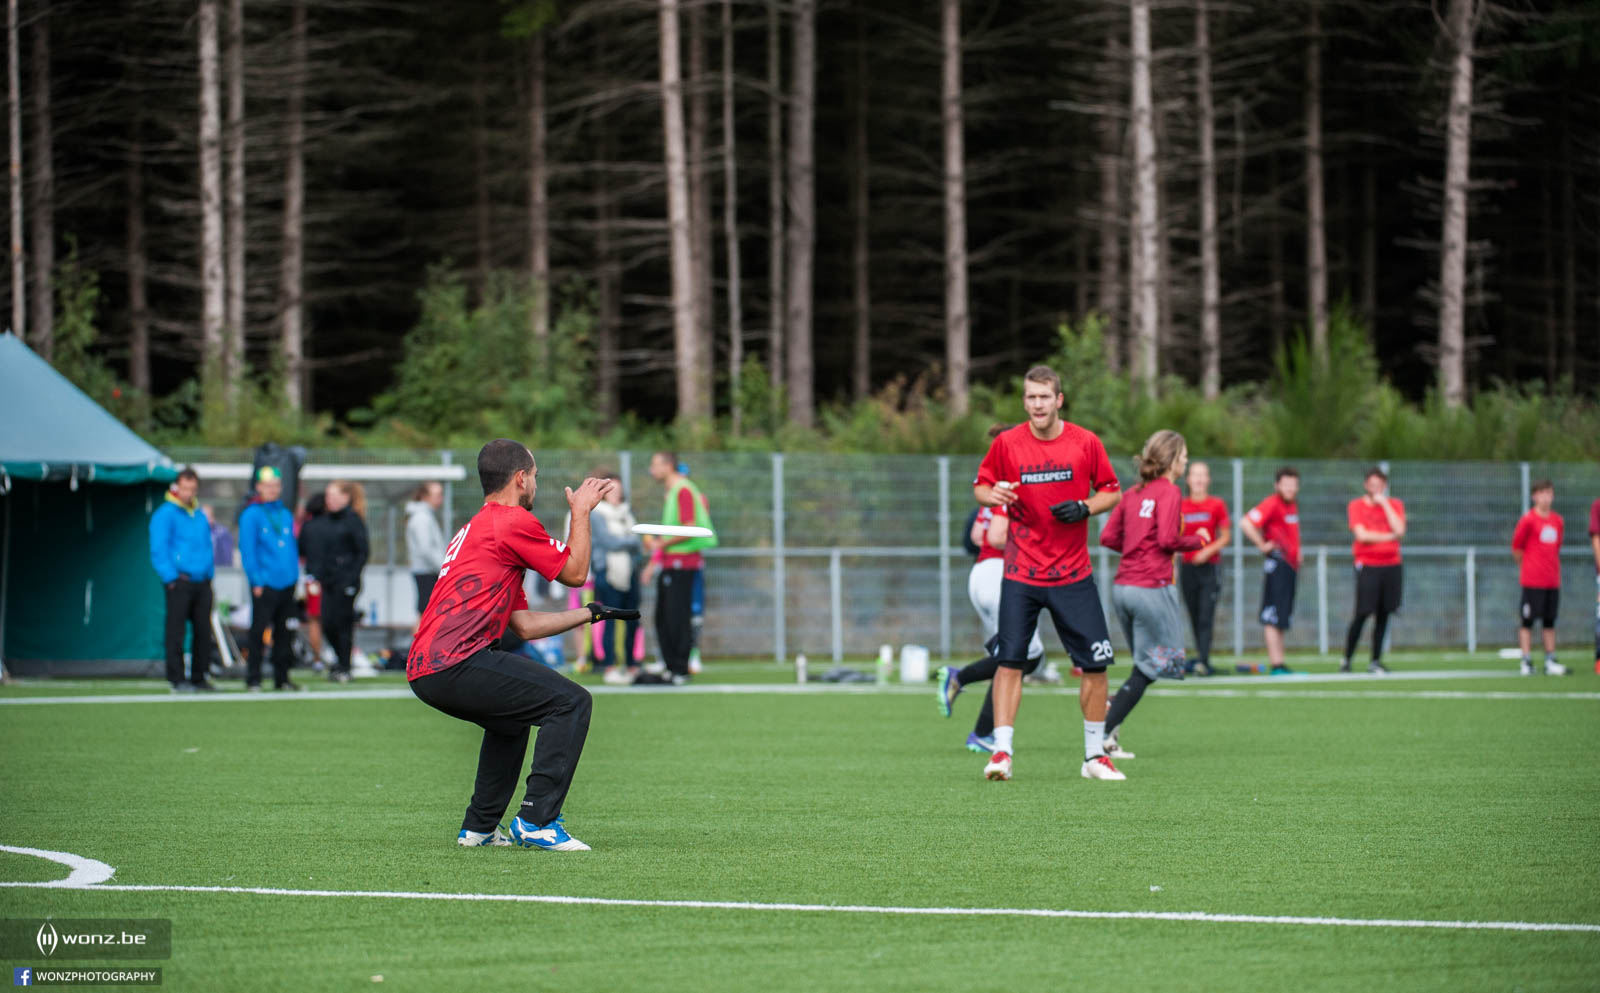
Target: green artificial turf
x,y
1268,797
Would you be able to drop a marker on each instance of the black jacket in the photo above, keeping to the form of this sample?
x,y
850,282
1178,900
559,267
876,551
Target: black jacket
x,y
335,547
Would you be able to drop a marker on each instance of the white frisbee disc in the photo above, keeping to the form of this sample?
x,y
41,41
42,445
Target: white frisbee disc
x,y
673,530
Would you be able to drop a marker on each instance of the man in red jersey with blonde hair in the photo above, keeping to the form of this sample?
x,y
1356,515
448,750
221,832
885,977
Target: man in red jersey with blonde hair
x,y
1051,476
455,668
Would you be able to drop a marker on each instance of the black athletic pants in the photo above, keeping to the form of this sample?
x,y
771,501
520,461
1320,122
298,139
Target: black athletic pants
x,y
1127,697
339,624
271,609
505,695
674,623
1201,585
188,603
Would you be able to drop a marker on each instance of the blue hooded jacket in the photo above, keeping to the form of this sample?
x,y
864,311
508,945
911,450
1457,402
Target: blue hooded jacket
x,y
267,547
180,542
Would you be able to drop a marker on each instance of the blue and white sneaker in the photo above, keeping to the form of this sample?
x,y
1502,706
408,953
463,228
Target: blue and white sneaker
x,y
474,839
948,688
552,837
980,743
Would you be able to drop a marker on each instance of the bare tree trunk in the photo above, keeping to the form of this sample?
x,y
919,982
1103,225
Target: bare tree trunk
x,y
539,194
291,277
802,219
1316,212
1369,246
608,290
700,223
861,217
1210,271
1547,280
1453,241
138,267
1278,307
957,319
216,375
1569,241
42,204
693,404
480,174
776,237
1108,296
234,232
19,286
730,220
1147,253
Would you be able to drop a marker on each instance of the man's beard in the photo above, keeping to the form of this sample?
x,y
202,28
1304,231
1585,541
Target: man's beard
x,y
525,501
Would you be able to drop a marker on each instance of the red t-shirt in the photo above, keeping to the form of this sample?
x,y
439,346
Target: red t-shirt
x,y
1594,527
986,516
1040,550
1279,522
1210,513
1372,517
480,585
1539,541
1147,528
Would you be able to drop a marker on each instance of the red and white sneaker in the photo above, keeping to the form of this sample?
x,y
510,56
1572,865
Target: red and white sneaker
x,y
1100,767
999,766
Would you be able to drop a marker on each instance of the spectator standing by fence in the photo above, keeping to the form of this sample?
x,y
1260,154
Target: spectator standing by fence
x,y
1378,522
1200,578
1536,545
681,562
181,552
425,539
1594,545
615,567
271,559
336,551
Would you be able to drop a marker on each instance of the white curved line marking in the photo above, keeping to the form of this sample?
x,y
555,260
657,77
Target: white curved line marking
x,y
85,872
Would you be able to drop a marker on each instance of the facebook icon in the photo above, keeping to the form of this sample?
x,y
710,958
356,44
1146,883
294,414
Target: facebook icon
x,y
21,976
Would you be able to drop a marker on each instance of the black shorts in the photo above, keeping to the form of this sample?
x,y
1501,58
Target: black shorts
x,y
425,581
1278,580
1075,608
1378,589
1540,605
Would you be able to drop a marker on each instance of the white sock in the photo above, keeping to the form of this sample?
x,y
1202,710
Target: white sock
x,y
1094,739
1002,738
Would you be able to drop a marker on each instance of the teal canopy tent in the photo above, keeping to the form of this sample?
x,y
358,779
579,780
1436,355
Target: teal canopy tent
x,y
77,487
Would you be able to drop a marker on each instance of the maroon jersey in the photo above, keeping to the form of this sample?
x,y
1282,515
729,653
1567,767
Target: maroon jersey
x,y
1210,513
1539,541
1147,528
1594,527
1040,550
1279,522
1371,516
481,584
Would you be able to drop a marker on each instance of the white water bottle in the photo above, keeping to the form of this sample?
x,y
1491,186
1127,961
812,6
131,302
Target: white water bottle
x,y
800,667
885,663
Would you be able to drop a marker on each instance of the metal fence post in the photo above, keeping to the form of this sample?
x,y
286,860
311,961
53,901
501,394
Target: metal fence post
x,y
446,458
1238,558
944,557
1322,599
780,649
835,604
625,470
1472,598
1526,498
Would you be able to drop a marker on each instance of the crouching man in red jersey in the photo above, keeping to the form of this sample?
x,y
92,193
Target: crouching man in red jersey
x,y
454,667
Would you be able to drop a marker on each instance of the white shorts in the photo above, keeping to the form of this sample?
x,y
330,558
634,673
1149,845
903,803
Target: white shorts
x,y
983,589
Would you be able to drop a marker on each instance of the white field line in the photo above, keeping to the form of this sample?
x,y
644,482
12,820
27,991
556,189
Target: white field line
x,y
1266,687
825,908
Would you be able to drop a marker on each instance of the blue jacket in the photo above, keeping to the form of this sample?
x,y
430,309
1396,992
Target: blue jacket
x,y
180,542
267,547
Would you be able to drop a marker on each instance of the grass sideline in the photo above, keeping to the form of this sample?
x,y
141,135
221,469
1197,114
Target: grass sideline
x,y
1472,808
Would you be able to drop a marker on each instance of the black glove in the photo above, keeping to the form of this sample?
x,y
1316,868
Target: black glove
x,y
1070,511
600,612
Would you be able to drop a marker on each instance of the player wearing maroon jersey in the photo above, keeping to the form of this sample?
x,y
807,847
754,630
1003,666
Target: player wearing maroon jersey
x,y
1378,522
1199,577
1147,528
1051,476
1273,526
1536,545
455,668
